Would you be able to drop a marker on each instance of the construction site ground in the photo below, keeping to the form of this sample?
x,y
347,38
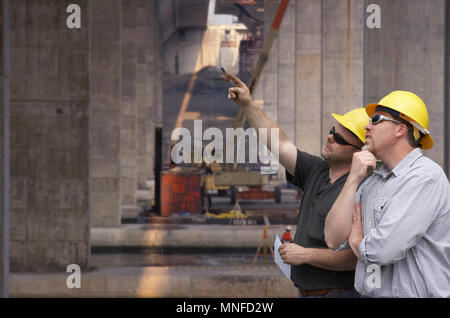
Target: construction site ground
x,y
177,257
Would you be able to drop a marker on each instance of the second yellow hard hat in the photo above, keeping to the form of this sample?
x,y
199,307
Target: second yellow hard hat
x,y
411,108
355,120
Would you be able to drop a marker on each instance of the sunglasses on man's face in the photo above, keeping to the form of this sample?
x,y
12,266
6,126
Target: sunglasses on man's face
x,y
377,118
340,140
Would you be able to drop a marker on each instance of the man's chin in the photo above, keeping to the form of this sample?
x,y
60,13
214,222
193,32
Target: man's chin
x,y
326,156
368,147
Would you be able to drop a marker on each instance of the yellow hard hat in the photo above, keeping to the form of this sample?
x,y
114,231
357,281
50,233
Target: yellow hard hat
x,y
412,109
355,120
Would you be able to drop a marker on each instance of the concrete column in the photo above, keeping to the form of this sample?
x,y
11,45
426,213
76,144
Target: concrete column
x,y
407,53
286,72
49,137
342,58
142,92
105,113
270,80
128,134
149,89
308,76
150,53
154,79
2,221
157,74
447,92
4,146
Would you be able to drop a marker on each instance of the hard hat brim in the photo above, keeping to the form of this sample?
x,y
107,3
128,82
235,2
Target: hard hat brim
x,y
427,141
370,109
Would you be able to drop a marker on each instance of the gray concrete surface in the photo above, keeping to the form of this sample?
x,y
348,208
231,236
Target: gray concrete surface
x,y
308,76
161,275
407,53
342,59
125,105
4,215
182,235
49,137
104,152
183,282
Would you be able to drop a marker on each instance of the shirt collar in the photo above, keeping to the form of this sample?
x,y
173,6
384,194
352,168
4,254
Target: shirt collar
x,y
402,166
383,171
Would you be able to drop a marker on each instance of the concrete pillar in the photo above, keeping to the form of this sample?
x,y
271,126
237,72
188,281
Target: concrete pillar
x,y
142,92
342,58
128,134
286,72
2,219
49,137
150,53
270,75
315,68
308,76
105,113
447,92
155,82
407,53
270,79
4,146
157,73
126,98
149,89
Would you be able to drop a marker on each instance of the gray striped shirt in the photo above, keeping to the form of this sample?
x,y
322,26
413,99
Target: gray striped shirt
x,y
406,220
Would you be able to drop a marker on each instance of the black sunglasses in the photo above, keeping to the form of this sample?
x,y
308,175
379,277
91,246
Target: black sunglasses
x,y
340,140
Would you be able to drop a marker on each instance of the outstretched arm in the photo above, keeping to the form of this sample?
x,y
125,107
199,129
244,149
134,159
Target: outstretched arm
x,y
240,94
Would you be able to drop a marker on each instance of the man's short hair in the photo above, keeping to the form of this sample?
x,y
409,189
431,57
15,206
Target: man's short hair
x,y
411,139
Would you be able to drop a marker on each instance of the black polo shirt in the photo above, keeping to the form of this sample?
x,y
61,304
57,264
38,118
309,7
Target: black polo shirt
x,y
312,176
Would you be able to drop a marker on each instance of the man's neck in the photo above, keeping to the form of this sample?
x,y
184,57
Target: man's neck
x,y
337,171
396,154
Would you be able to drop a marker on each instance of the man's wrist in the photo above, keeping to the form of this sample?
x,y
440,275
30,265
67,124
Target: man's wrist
x,y
354,180
310,255
250,107
354,245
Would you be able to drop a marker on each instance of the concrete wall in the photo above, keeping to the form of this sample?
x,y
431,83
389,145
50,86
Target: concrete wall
x,y
447,94
2,212
342,59
126,99
105,113
49,134
155,71
407,53
315,68
326,60
308,75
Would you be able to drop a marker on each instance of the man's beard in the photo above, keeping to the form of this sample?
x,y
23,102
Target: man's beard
x,y
332,159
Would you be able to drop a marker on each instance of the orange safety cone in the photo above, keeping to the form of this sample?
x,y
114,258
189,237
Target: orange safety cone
x,y
264,244
287,237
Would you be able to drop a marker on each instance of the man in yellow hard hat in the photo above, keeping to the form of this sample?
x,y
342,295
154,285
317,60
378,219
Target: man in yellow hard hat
x,y
397,221
316,270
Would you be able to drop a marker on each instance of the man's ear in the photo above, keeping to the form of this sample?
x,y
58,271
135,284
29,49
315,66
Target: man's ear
x,y
401,130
